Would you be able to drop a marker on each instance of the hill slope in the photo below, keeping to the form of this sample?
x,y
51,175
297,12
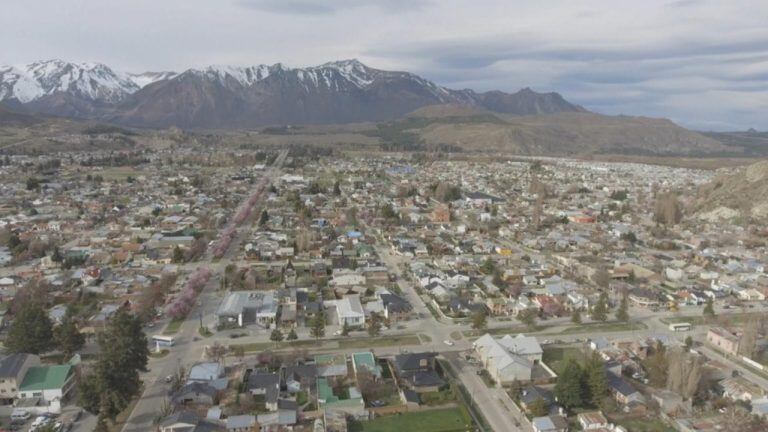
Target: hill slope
x,y
741,193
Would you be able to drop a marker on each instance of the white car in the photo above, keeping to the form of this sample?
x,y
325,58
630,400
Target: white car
x,y
448,342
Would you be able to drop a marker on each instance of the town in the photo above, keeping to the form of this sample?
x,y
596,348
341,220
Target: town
x,y
298,288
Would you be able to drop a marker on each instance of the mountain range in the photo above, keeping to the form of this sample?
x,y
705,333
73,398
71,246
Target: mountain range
x,y
227,97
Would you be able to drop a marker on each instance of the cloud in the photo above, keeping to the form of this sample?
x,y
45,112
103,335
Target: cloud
x,y
328,7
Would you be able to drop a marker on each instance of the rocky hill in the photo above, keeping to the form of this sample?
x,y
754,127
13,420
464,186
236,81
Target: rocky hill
x,y
739,193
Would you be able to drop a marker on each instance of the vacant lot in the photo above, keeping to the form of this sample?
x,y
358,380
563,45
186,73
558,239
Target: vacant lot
x,y
443,420
555,357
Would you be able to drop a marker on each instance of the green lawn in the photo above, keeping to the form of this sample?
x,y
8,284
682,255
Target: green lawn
x,y
173,327
645,425
555,357
605,327
443,420
379,342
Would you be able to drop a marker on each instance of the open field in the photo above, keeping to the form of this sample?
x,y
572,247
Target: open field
x,y
440,420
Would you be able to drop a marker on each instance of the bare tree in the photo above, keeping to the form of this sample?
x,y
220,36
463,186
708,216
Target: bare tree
x,y
668,210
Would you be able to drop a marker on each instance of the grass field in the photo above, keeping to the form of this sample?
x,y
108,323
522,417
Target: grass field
x,y
604,327
555,357
379,342
442,420
645,425
342,343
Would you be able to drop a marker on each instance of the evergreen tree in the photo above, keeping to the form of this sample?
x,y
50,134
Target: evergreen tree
x,y
479,320
264,217
276,336
576,317
292,335
345,329
336,188
622,313
68,337
178,254
568,390
709,309
600,309
114,380
596,379
31,330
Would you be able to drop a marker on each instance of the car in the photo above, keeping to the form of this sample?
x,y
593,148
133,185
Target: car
x,y
378,403
448,342
169,378
338,332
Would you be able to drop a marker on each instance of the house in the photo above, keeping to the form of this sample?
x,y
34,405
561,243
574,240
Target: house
x,y
243,307
241,423
671,403
186,421
396,308
266,385
13,369
50,383
329,365
417,371
625,393
365,361
554,423
592,420
531,394
206,372
724,340
196,393
740,389
300,377
349,310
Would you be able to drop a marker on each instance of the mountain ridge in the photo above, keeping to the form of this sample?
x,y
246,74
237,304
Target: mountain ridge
x,y
216,96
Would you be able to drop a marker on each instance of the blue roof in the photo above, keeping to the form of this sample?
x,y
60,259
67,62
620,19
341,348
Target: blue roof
x,y
354,234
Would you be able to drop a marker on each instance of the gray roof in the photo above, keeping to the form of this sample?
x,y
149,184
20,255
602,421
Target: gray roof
x,y
240,421
12,364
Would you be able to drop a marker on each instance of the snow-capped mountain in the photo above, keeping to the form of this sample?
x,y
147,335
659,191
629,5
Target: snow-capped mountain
x,y
90,81
243,97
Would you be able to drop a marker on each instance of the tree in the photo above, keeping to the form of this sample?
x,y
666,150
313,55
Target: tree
x,y
336,188
596,380
479,320
538,407
748,341
668,210
263,218
178,254
345,329
114,380
709,309
568,389
622,313
317,330
68,337
601,278
688,343
31,330
600,309
292,335
657,365
374,325
576,317
276,336
488,266
527,317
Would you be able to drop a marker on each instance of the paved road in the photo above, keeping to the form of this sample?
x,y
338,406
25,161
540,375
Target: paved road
x,y
187,349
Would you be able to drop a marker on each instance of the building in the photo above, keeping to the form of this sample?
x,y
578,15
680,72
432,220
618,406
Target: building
x,y
554,423
186,421
510,358
592,420
13,368
49,383
724,340
417,371
349,311
246,307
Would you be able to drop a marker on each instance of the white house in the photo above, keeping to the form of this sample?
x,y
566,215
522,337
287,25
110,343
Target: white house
x,y
349,310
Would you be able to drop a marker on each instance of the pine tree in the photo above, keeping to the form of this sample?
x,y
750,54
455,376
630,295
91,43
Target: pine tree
x,y
600,309
576,317
568,389
276,336
596,379
709,309
263,218
31,330
622,313
178,254
479,320
292,335
345,329
68,337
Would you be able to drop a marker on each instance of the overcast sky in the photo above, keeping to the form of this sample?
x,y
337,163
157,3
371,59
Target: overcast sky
x,y
701,63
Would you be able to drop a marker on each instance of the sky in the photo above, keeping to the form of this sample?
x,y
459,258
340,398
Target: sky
x,y
700,63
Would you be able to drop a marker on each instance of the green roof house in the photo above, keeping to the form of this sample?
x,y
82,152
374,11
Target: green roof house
x,y
49,383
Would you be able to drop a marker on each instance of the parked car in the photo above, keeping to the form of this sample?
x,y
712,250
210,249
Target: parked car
x,y
448,342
